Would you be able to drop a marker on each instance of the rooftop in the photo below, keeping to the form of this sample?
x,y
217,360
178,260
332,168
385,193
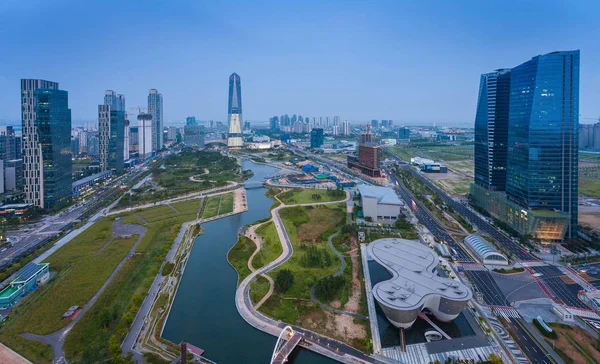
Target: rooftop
x,y
413,267
28,271
383,195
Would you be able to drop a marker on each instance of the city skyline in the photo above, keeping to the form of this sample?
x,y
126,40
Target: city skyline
x,y
380,82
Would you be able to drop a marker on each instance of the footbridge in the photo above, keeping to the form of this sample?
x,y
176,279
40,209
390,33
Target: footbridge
x,y
287,341
253,184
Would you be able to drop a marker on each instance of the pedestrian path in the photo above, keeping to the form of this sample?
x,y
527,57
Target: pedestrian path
x,y
506,312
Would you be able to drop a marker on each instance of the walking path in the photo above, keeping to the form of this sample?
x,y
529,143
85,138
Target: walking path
x,y
259,242
57,338
336,274
318,343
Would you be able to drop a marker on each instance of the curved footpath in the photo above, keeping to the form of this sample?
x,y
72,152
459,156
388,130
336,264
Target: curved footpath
x,y
252,235
340,271
321,344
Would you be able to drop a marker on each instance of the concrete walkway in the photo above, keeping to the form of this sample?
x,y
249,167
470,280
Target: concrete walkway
x,y
57,338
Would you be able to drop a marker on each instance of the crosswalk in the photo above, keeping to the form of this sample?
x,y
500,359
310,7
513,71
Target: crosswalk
x,y
506,312
476,267
508,341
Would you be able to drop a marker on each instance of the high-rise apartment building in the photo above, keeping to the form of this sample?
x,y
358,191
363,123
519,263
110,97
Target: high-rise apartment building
x,y
111,129
126,141
374,123
145,135
234,138
542,149
336,120
8,148
404,133
316,138
155,108
491,130
335,130
46,128
134,140
346,128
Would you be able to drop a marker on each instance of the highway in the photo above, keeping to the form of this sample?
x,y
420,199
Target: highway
x,y
428,221
566,293
481,223
487,286
529,347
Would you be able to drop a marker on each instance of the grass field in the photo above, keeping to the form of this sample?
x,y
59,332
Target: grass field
x,y
258,289
320,221
272,246
80,271
309,195
218,205
589,187
238,256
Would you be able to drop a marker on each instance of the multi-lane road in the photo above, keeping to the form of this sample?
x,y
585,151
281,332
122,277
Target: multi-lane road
x,y
481,223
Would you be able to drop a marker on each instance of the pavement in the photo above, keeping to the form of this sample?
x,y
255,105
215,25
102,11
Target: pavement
x,y
57,338
566,293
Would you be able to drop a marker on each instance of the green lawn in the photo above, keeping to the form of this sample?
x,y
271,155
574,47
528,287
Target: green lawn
x,y
272,248
238,256
258,288
218,205
589,187
310,195
81,271
226,204
188,207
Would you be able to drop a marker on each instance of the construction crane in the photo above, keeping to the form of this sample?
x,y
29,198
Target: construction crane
x,y
139,110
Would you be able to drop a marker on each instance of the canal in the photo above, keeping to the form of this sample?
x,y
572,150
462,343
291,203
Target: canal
x,y
204,312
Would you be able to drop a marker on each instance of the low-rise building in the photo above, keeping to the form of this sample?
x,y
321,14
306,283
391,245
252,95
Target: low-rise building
x,y
27,279
381,204
486,253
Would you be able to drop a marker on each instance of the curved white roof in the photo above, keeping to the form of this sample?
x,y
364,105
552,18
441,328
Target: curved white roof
x,y
384,195
413,266
483,249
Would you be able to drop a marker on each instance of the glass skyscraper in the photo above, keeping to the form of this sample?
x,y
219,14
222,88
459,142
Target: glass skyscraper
x,y
542,164
491,130
53,124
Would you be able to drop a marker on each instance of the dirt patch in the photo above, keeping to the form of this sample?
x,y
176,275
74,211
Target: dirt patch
x,y
353,304
582,338
321,219
335,304
346,328
590,219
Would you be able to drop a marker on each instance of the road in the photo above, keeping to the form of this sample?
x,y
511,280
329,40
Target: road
x,y
481,223
566,293
426,219
318,343
27,239
529,347
487,286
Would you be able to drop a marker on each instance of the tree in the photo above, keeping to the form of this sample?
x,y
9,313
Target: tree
x,y
494,359
284,280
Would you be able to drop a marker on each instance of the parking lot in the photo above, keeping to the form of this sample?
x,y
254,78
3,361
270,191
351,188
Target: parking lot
x,y
562,291
591,272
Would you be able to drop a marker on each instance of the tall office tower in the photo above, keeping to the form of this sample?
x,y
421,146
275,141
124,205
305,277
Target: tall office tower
x,y
191,120
335,130
13,175
300,119
111,129
293,120
126,141
145,135
74,145
346,128
374,123
491,130
19,145
596,137
234,138
8,150
404,133
336,120
365,136
155,108
316,138
327,121
384,123
46,128
321,121
246,125
93,145
390,123
542,134
172,133
82,136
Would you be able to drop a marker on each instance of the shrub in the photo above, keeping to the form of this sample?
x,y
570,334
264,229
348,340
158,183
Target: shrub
x,y
549,334
284,280
168,268
328,288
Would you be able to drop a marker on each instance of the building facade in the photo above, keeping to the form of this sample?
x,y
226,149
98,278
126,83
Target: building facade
x,y
155,108
316,138
491,130
46,128
541,188
381,204
346,128
111,132
234,137
145,135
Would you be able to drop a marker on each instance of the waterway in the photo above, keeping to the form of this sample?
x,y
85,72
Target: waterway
x,y
204,312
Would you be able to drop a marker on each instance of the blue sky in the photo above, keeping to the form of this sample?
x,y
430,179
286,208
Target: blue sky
x,y
410,61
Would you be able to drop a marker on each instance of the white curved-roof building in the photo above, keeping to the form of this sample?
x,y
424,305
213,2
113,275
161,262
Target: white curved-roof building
x,y
415,284
485,251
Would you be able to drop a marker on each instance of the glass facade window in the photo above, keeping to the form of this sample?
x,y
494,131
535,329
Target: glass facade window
x,y
491,130
235,94
53,129
316,138
543,134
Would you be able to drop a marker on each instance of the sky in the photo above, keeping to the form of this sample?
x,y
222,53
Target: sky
x,y
415,62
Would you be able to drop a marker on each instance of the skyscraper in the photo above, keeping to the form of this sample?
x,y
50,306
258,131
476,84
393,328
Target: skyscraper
x,y
346,128
111,131
145,135
542,146
491,130
542,135
46,128
8,149
316,138
336,120
155,108
234,138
